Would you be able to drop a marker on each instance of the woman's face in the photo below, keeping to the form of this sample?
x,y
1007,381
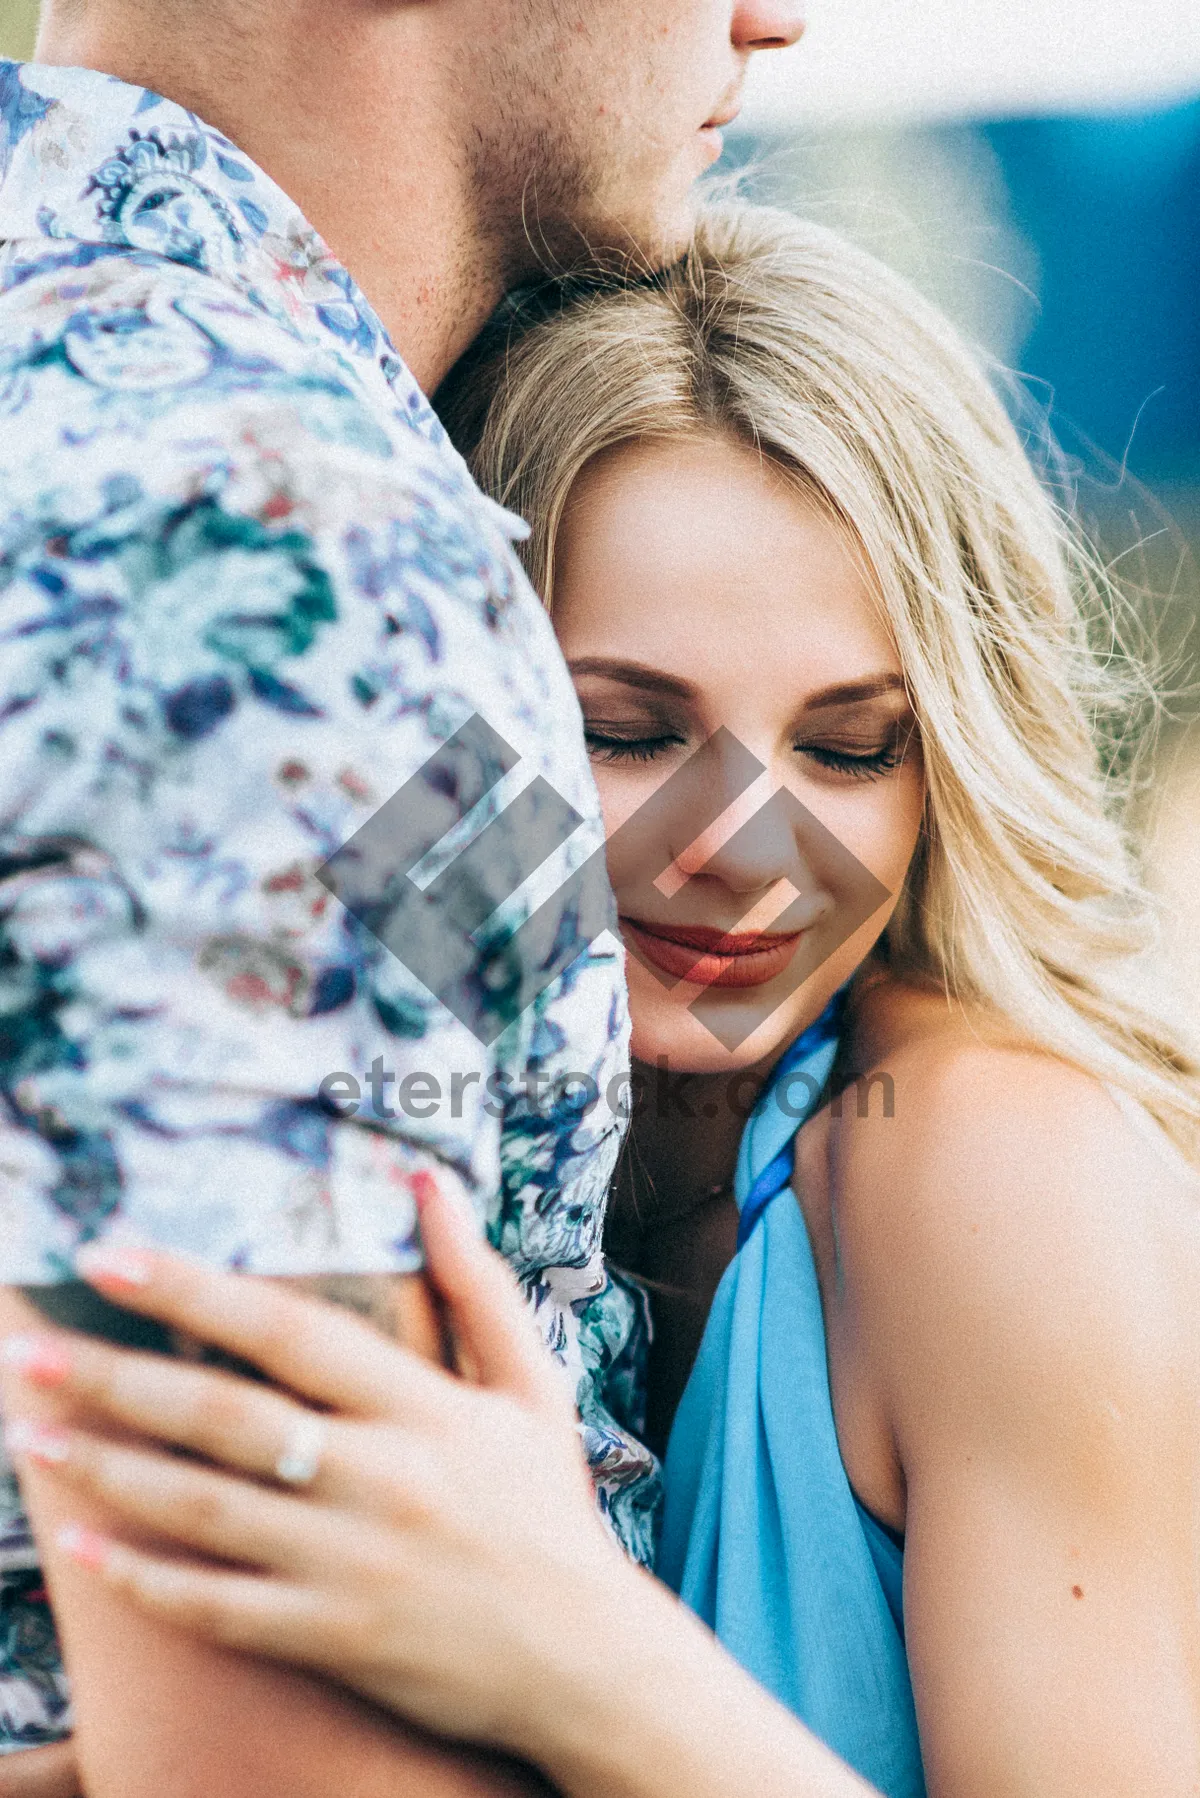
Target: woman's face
x,y
750,736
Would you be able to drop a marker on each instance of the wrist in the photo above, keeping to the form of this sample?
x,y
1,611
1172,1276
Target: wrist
x,y
630,1668
649,1705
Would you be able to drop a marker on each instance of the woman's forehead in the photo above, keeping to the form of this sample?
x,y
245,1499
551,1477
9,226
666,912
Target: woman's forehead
x,y
700,559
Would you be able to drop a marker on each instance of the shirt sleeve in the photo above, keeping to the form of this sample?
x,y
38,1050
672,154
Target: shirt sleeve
x,y
35,1707
279,732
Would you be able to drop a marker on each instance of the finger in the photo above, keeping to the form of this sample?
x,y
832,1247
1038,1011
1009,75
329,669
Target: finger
x,y
51,1771
239,1610
214,1414
317,1350
198,1507
488,1313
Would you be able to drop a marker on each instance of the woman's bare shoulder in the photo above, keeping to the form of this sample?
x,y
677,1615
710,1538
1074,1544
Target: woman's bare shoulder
x,y
963,1085
977,1183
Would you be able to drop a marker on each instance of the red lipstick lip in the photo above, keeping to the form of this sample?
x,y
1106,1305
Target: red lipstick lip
x,y
722,942
706,957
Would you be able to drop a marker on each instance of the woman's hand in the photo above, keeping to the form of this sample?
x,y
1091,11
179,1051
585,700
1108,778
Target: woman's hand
x,y
425,1539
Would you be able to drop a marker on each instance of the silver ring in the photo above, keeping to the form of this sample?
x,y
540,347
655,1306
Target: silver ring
x,y
300,1462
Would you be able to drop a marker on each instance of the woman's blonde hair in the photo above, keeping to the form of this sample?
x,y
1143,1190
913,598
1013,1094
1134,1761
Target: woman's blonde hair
x,y
1023,896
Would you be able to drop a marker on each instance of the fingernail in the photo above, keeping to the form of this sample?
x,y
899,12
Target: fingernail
x,y
85,1547
39,1359
36,1442
108,1264
426,1187
423,1187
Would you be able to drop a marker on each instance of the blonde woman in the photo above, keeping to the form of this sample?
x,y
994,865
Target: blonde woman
x,y
934,1478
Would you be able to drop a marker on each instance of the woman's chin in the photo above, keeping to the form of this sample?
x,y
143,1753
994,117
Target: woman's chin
x,y
675,1038
682,1053
697,1030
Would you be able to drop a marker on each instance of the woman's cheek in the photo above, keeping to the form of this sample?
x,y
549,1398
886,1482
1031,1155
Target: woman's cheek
x,y
614,804
907,813
623,792
880,825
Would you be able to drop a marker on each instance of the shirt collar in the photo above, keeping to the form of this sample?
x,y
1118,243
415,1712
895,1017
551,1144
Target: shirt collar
x,y
89,161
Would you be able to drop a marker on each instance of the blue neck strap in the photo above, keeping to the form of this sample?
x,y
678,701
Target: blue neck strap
x,y
764,1163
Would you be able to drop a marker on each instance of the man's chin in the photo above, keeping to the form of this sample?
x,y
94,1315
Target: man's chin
x,y
625,245
623,232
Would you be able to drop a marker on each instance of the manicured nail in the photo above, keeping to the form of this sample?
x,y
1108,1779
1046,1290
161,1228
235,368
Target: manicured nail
x,y
426,1187
36,1442
85,1547
423,1187
110,1264
38,1359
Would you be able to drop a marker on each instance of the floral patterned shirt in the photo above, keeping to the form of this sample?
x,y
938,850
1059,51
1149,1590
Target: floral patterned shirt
x,y
248,594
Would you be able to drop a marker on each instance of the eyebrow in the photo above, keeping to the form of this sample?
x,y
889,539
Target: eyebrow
x,y
654,680
851,692
633,674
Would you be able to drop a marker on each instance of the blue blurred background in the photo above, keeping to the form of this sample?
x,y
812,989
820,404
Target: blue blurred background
x,y
1035,166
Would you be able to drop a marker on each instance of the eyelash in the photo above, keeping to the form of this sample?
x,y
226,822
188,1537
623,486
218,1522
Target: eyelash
x,y
632,749
877,762
858,767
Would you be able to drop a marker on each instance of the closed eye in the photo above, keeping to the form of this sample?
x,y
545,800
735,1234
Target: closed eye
x,y
864,764
609,747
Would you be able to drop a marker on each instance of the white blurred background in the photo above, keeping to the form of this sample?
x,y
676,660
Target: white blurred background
x,y
1035,166
902,61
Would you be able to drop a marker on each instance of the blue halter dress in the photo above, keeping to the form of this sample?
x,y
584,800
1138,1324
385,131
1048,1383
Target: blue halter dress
x,y
762,1536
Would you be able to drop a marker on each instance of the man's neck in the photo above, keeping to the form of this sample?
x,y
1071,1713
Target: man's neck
x,y
370,159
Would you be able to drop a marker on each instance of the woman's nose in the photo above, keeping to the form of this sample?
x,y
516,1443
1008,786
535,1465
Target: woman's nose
x,y
768,24
749,848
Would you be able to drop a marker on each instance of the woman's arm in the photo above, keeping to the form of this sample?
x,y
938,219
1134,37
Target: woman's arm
x,y
1032,1279
447,1559
653,1707
161,1714
1022,1273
